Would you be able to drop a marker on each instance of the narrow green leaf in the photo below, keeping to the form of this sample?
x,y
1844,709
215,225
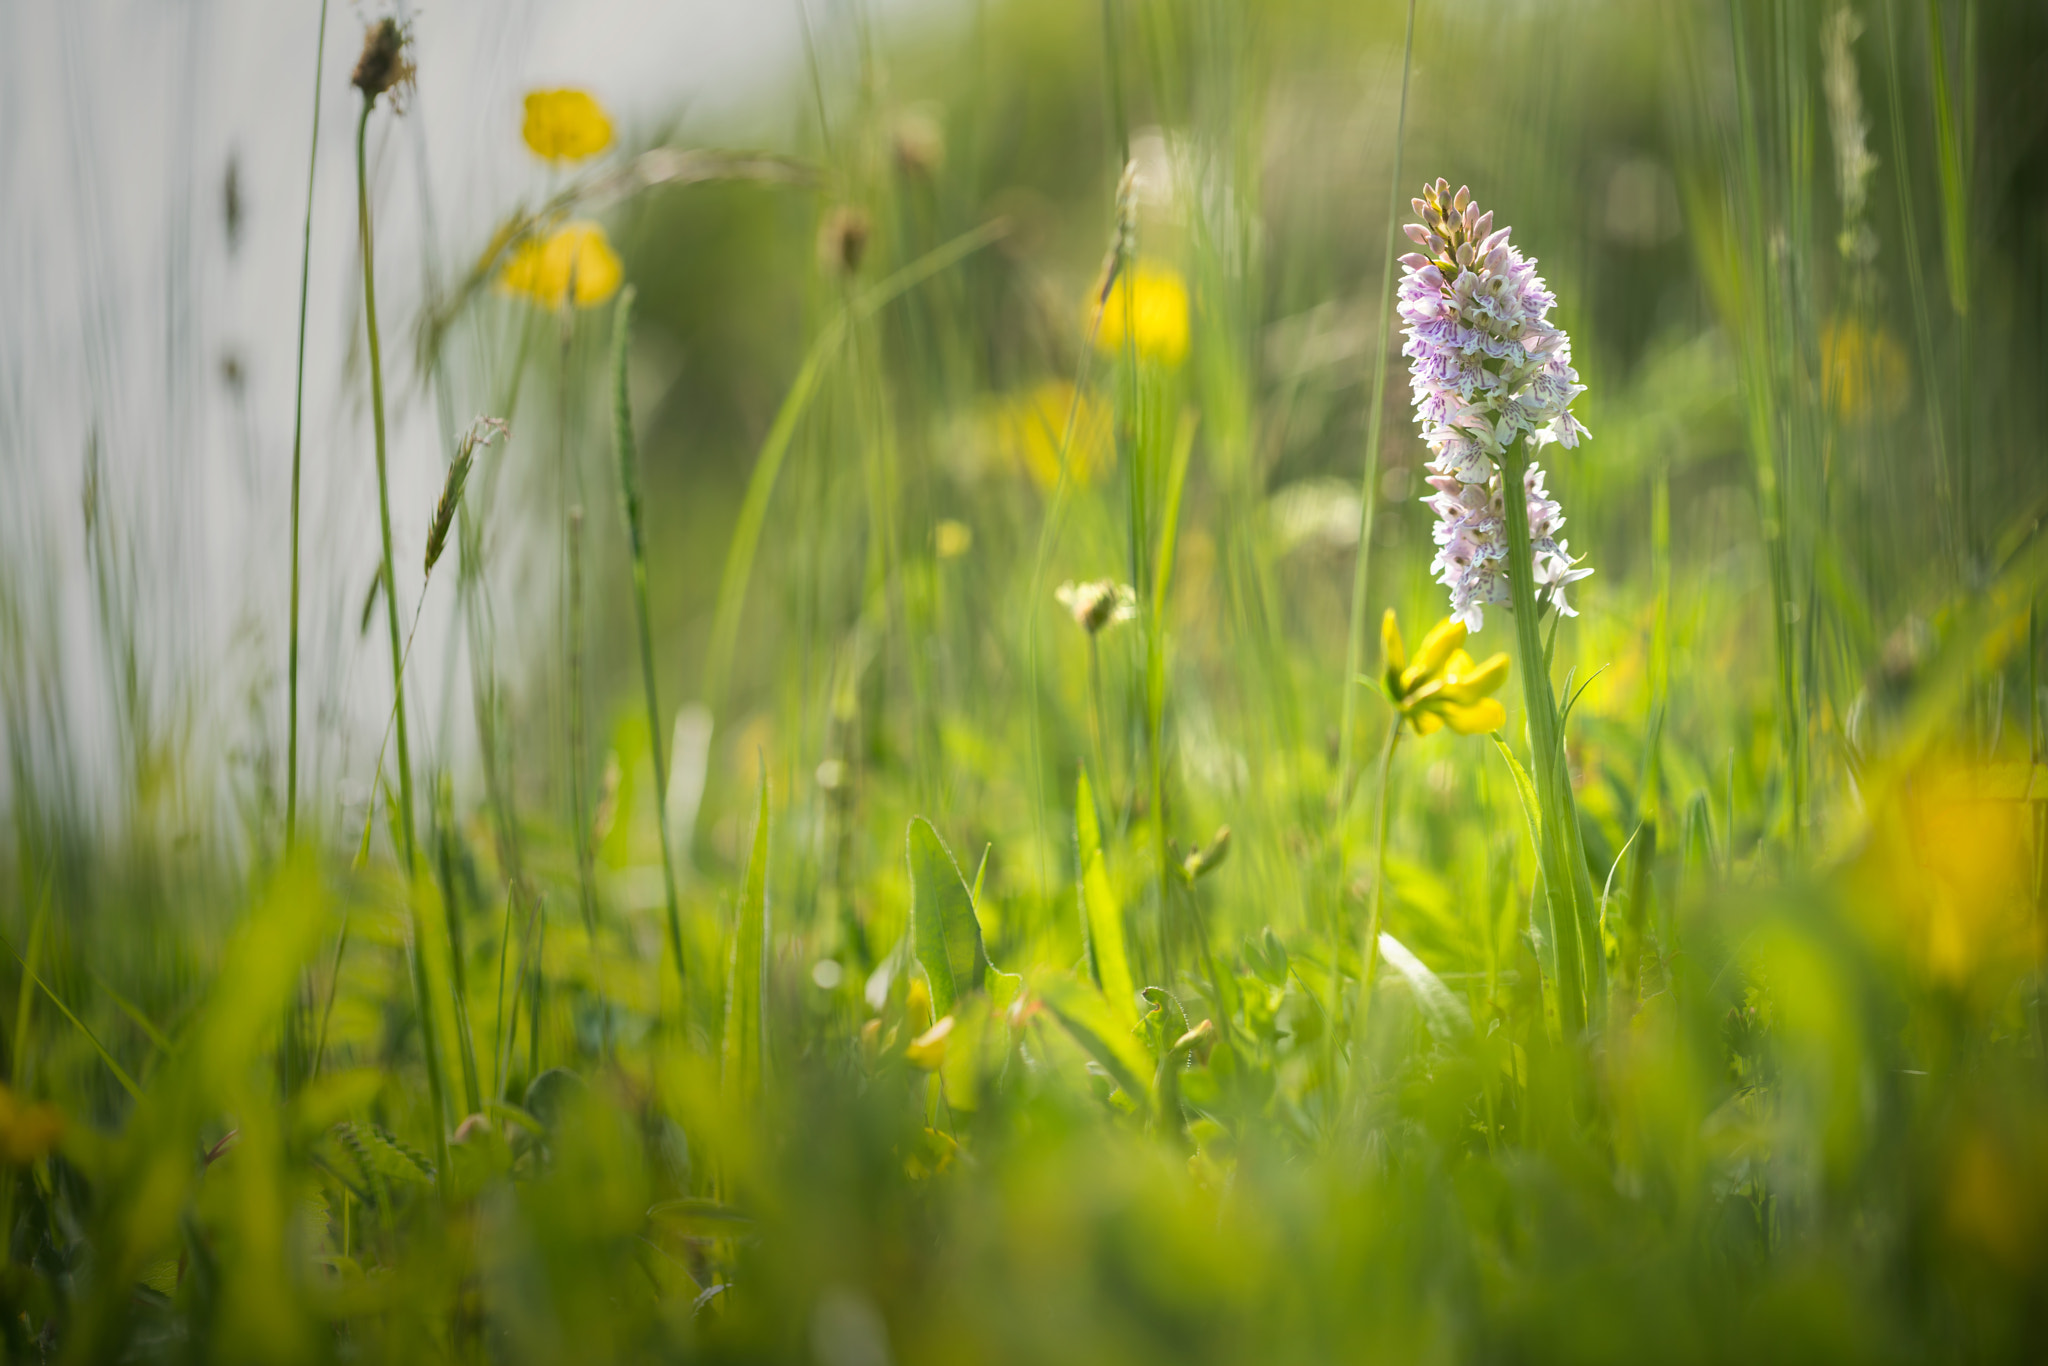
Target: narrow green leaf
x,y
1106,932
746,980
29,974
1083,1012
1532,812
753,515
1102,917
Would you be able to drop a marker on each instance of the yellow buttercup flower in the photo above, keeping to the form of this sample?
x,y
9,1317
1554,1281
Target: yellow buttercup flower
x,y
1863,370
565,125
574,263
1029,426
1150,311
1441,686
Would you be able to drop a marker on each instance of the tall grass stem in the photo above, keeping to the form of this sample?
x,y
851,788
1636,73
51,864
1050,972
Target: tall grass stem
x,y
629,492
291,724
429,1044
1369,480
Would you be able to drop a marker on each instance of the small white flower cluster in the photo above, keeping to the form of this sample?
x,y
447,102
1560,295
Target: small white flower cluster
x,y
1487,369
1099,603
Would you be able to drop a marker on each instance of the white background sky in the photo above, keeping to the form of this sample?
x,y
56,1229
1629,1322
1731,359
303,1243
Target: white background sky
x,y
120,298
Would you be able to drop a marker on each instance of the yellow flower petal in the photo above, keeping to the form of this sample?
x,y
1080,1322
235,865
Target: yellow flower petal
x,y
1466,682
1149,309
1434,652
575,263
1479,718
1028,429
565,125
928,1050
1393,650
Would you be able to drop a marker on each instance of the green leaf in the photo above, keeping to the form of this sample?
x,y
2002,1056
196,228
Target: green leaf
x,y
380,1155
944,930
1267,957
1532,809
740,1062
1084,1013
753,514
1102,919
701,1218
968,1067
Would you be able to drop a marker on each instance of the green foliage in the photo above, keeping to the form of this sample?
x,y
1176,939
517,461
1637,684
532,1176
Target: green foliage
x,y
1708,1025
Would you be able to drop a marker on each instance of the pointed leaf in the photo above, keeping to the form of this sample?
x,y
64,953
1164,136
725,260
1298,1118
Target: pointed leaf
x,y
1102,918
1081,1009
944,931
1532,808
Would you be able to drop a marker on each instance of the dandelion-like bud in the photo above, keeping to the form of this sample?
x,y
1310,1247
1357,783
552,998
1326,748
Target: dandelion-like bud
x,y
384,65
1487,369
843,239
1201,862
920,144
1103,602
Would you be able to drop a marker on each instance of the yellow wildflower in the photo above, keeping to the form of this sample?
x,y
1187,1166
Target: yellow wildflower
x,y
1863,370
952,539
1149,309
565,125
1441,686
28,1130
1028,428
927,1051
576,256
1947,877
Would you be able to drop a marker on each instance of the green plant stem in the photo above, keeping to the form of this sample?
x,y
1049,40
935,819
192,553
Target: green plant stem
x,y
429,1043
579,774
291,724
629,490
17,1073
1370,954
333,990
384,489
1581,966
1368,485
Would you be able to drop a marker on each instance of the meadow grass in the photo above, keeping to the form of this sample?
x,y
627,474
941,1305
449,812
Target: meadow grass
x,y
1069,943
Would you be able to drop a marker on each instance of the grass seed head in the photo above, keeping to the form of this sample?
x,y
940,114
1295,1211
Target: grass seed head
x,y
384,66
843,240
481,433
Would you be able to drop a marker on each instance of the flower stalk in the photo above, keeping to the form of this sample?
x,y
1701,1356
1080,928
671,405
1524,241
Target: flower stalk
x,y
382,67
1493,383
1581,959
291,760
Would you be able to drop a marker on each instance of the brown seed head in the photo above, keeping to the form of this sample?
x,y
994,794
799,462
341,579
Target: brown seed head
x,y
384,65
920,144
843,239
